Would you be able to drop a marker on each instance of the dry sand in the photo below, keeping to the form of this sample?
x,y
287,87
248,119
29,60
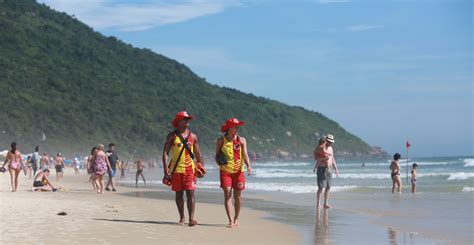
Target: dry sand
x,y
31,217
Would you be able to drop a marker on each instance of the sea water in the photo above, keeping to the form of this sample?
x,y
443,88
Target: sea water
x,y
364,208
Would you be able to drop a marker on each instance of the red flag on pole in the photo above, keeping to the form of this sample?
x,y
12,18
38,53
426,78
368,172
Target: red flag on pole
x,y
408,144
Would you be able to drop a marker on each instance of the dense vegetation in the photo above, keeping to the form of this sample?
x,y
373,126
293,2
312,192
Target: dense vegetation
x,y
60,78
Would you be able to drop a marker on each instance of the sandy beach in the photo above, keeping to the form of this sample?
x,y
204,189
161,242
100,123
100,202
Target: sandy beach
x,y
28,217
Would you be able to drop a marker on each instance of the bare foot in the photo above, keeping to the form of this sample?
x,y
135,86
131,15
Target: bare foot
x,y
236,223
230,225
192,223
327,206
181,221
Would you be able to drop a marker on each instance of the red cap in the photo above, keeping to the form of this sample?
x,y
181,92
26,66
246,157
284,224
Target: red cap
x,y
231,123
180,116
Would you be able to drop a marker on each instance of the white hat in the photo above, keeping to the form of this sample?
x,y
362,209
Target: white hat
x,y
330,138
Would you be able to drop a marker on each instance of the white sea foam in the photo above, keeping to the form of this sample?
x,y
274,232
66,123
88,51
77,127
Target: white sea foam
x,y
403,164
460,176
467,189
302,173
296,188
468,162
283,164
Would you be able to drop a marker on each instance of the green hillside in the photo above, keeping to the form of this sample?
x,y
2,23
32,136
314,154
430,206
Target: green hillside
x,y
66,87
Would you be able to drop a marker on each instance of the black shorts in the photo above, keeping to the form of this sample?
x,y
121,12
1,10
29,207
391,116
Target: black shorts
x,y
324,177
59,168
38,183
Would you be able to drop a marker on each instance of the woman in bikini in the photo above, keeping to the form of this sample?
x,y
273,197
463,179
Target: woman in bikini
x,y
100,164
396,179
90,169
15,163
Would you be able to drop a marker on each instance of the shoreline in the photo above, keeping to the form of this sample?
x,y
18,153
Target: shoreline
x,y
116,218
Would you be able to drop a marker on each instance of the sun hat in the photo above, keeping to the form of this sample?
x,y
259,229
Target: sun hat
x,y
330,138
231,123
179,117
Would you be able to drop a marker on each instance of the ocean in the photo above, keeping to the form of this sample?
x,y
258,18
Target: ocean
x,y
438,174
440,212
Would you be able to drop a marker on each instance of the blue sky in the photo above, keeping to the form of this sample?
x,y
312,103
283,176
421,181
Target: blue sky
x,y
385,70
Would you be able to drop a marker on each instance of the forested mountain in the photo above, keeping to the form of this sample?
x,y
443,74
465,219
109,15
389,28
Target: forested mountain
x,y
66,87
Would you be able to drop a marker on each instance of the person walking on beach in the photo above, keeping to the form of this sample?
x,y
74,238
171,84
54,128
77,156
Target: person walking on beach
x,y
100,164
90,168
396,179
44,162
113,158
140,167
123,167
184,148
28,166
77,165
413,178
59,165
326,162
231,155
35,160
15,164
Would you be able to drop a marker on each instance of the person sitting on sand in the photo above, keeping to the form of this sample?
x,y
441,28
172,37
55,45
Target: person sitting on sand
x,y
233,149
140,167
413,178
395,175
325,163
15,164
58,165
100,165
42,183
184,148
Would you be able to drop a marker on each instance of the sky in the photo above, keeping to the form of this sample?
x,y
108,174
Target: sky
x,y
385,70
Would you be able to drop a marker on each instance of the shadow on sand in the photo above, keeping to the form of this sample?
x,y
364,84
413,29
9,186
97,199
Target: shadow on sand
x,y
156,222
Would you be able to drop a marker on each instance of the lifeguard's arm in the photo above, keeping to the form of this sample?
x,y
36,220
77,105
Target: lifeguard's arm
x,y
219,144
246,155
166,151
197,150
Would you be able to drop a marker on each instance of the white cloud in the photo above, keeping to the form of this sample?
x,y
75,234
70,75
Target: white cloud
x,y
107,14
359,28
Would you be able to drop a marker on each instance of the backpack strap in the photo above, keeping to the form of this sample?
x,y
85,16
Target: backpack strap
x,y
185,142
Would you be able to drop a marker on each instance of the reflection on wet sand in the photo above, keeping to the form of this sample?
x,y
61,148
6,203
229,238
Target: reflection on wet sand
x,y
322,227
392,236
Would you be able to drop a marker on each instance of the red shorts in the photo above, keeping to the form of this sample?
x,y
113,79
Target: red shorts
x,y
183,182
236,181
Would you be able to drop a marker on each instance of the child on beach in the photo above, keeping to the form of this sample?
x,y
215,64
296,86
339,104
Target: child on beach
x,y
413,178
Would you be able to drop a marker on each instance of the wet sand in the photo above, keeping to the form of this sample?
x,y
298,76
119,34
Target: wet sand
x,y
122,217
